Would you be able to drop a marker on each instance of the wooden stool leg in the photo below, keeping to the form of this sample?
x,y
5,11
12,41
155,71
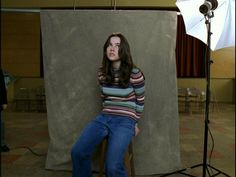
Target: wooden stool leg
x,y
131,154
129,163
102,157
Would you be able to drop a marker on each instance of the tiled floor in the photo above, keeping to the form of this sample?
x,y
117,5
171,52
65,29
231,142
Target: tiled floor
x,y
30,130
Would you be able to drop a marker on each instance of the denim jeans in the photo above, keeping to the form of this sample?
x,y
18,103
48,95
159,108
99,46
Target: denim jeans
x,y
119,131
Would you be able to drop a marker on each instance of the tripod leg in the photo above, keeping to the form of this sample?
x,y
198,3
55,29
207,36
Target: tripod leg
x,y
178,171
219,171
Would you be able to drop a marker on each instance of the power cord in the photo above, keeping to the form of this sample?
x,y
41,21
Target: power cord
x,y
28,148
211,135
212,148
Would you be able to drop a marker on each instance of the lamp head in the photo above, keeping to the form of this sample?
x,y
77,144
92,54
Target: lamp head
x,y
208,6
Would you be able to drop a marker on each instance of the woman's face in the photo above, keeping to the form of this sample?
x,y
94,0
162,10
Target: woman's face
x,y
112,51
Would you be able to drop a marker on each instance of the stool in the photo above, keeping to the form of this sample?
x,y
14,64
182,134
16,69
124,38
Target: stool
x,y
129,163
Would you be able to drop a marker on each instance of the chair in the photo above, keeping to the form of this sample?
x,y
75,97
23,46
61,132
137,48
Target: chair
x,y
183,99
129,163
40,98
21,99
192,98
196,99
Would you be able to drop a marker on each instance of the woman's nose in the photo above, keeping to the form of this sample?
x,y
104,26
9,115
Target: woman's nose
x,y
112,48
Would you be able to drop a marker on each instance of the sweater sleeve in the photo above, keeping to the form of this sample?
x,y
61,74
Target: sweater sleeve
x,y
138,82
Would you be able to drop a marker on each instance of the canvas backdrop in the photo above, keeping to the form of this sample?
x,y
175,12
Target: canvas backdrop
x,y
72,52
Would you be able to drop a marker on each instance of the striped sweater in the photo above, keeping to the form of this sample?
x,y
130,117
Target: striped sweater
x,y
124,101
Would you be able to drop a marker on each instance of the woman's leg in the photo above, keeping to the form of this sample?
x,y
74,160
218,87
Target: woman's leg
x,y
82,150
122,132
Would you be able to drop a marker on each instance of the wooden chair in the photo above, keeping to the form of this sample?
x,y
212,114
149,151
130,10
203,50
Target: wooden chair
x,y
129,163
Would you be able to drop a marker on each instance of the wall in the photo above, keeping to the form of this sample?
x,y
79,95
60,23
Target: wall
x,y
20,44
223,65
84,3
24,61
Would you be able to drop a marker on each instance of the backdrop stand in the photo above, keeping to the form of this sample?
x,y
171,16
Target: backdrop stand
x,y
205,165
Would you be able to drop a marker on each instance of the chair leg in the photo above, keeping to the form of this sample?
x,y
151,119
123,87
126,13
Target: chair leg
x,y
102,157
129,162
131,154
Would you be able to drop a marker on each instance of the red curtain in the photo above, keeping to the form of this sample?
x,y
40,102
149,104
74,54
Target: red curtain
x,y
190,53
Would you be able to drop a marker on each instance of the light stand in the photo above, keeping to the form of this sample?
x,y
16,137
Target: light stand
x,y
205,165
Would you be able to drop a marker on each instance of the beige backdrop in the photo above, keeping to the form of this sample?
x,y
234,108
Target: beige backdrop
x,y
72,52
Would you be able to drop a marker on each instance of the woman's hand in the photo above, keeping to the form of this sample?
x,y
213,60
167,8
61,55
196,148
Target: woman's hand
x,y
137,130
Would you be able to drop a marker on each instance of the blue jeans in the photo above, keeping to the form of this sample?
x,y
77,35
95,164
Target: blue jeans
x,y
119,130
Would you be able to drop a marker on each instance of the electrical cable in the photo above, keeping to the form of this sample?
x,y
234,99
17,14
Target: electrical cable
x,y
211,135
212,148
207,123
28,148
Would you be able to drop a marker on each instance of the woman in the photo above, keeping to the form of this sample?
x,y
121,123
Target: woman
x,y
122,92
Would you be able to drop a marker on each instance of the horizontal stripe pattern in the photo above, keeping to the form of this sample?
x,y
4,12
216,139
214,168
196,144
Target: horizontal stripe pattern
x,y
124,101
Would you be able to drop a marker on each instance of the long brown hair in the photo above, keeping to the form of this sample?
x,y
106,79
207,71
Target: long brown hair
x,y
126,62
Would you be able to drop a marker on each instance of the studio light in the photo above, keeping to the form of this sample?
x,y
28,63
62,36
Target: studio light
x,y
208,6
